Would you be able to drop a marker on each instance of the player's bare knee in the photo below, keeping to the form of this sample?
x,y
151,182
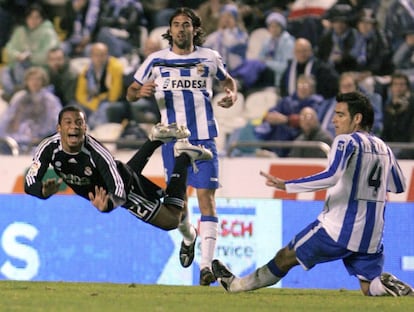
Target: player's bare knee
x,y
285,259
168,227
169,216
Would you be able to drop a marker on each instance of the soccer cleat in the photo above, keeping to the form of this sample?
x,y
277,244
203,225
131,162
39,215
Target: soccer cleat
x,y
187,253
206,277
194,152
222,274
394,286
167,133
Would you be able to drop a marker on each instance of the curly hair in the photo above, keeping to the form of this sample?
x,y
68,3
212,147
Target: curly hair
x,y
198,38
70,108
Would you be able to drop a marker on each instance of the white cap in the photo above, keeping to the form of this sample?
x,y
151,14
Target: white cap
x,y
275,17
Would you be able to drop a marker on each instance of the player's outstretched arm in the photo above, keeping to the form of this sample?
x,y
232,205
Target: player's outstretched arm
x,y
273,181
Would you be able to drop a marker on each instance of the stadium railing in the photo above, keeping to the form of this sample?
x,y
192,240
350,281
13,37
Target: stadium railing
x,y
395,146
13,146
9,146
271,144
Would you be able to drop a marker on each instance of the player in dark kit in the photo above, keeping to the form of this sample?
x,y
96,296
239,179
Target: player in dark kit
x,y
91,171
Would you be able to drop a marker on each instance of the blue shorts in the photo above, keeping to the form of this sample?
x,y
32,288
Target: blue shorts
x,y
313,245
207,175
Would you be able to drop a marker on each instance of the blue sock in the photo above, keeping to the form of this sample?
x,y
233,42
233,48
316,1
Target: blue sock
x,y
275,270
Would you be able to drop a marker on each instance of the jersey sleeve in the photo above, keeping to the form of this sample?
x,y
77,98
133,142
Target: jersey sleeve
x,y
341,151
221,73
33,179
396,181
144,71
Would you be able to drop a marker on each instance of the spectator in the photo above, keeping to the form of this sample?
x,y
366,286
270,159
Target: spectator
x,y
118,26
311,131
305,62
375,55
305,18
28,46
403,58
79,23
277,50
230,39
338,46
32,113
210,10
281,123
348,83
145,110
158,12
399,17
399,115
61,76
10,15
355,6
99,85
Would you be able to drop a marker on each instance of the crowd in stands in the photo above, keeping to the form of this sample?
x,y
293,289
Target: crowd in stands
x,y
85,52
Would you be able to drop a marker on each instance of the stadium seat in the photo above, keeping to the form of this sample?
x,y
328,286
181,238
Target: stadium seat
x,y
229,115
3,104
228,119
257,103
144,35
255,42
79,63
108,133
156,34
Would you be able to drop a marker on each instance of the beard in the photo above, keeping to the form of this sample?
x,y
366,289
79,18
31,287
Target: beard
x,y
182,42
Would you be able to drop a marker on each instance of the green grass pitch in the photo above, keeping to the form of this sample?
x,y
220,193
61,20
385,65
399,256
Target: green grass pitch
x,y
102,297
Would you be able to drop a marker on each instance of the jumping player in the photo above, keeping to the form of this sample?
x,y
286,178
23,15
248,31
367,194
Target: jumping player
x,y
87,167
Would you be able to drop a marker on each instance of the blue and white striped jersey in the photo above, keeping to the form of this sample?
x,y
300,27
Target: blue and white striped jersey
x,y
184,87
361,170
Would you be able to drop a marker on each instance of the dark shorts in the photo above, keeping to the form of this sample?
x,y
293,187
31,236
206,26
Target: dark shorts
x,y
144,198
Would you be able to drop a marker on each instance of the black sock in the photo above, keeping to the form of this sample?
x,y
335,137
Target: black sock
x,y
177,186
142,156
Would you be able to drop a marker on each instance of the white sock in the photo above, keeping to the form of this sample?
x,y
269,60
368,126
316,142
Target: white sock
x,y
376,288
208,234
260,278
187,231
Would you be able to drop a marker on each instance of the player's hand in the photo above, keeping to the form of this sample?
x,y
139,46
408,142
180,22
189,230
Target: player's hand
x,y
273,181
228,100
51,186
147,89
99,199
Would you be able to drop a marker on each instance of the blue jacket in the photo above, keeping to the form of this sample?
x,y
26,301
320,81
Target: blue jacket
x,y
283,132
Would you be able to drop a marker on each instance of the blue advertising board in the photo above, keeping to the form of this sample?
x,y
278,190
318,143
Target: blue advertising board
x,y
64,238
